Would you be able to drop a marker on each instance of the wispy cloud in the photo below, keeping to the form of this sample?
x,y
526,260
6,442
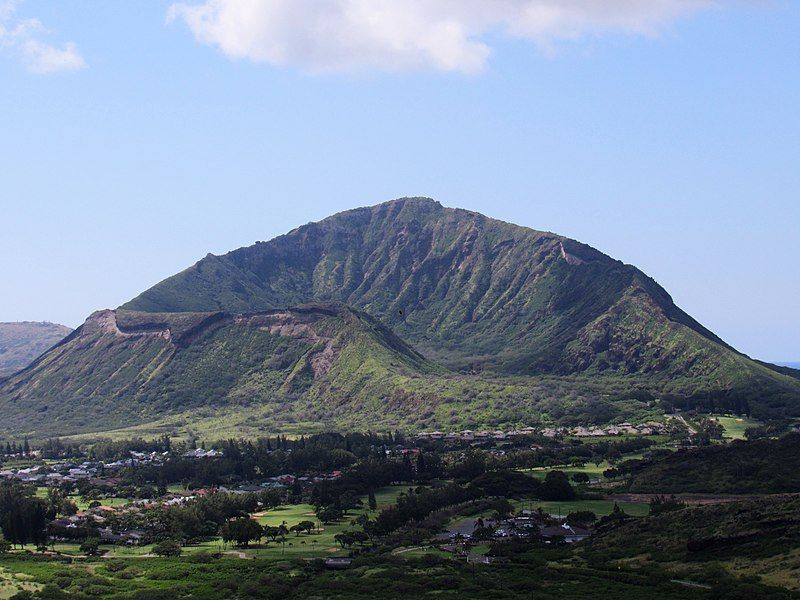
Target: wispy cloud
x,y
24,37
445,35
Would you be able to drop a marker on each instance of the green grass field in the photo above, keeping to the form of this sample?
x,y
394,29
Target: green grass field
x,y
735,426
387,496
592,470
318,543
321,542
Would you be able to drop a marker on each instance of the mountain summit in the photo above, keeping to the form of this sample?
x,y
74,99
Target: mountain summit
x,y
473,292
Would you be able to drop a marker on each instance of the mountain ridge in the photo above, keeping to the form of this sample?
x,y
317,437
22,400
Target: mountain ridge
x,y
445,318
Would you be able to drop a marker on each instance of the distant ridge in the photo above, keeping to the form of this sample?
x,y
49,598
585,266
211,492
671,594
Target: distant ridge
x,y
21,342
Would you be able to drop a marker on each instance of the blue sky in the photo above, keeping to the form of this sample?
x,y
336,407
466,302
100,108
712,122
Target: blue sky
x,y
670,141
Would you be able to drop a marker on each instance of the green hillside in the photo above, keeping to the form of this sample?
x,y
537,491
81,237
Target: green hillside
x,y
475,291
310,368
21,343
481,295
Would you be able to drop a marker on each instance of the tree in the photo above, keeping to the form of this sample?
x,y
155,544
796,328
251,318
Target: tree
x,y
349,500
329,514
5,545
421,465
581,517
483,534
580,477
373,503
360,537
307,526
167,548
244,530
90,547
556,487
502,508
662,504
283,529
346,538
470,466
23,517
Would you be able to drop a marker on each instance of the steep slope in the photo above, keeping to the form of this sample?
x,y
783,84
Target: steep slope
x,y
477,294
448,280
21,343
123,367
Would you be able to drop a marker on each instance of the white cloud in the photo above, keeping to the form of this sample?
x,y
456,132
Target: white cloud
x,y
445,35
23,36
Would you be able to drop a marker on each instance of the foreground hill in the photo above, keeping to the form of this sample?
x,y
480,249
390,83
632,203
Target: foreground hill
x,y
21,343
477,294
752,537
757,467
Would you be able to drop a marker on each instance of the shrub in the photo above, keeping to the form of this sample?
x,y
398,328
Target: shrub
x,y
167,548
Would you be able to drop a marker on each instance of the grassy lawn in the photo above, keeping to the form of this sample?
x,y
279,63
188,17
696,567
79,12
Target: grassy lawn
x,y
592,470
735,426
386,497
319,543
83,505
